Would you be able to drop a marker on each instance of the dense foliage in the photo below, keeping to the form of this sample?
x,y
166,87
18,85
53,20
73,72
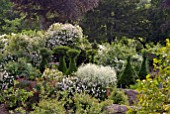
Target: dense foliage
x,y
154,91
57,70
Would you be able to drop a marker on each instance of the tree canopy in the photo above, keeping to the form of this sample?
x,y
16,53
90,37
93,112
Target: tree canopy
x,y
50,11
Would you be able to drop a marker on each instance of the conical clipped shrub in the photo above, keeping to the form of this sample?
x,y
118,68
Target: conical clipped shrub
x,y
128,76
46,54
72,53
144,70
61,52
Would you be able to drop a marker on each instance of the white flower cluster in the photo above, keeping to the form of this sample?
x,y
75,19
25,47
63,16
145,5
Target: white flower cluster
x,y
74,85
5,79
97,74
63,34
3,42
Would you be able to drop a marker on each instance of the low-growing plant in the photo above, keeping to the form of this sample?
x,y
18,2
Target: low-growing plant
x,y
18,68
85,104
14,97
49,106
119,97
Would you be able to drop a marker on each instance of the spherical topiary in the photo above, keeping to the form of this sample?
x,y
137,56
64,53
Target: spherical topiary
x,y
72,53
128,76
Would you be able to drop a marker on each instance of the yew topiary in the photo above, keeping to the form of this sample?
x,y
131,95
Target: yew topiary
x,y
128,76
144,70
46,54
61,52
72,53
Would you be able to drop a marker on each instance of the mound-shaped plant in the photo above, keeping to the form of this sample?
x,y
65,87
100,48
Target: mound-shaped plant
x,y
72,53
63,34
119,97
92,73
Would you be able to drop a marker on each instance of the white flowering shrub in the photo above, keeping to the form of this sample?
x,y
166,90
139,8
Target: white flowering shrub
x,y
63,34
90,79
91,73
74,85
15,46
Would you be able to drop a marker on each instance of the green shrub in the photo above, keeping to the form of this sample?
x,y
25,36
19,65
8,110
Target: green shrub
x,y
49,106
144,70
46,55
116,54
154,97
61,52
52,74
128,76
18,68
119,97
85,104
90,55
72,53
14,97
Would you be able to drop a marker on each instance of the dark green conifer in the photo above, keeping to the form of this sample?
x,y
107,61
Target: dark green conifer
x,y
144,69
128,76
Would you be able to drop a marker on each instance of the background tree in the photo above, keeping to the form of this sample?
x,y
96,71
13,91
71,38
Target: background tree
x,y
139,19
114,19
50,11
11,21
